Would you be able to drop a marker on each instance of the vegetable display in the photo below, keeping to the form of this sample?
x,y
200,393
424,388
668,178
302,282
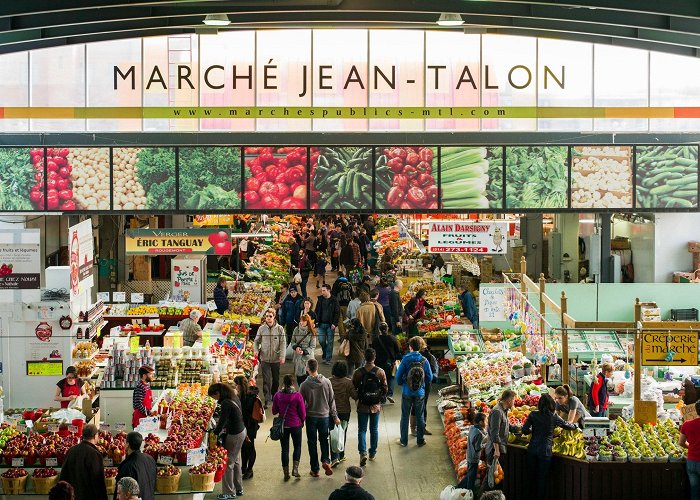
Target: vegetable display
x,y
21,179
276,177
536,177
413,184
601,177
144,178
465,172
667,176
89,178
343,178
210,178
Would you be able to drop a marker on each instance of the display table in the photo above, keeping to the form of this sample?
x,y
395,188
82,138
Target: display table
x,y
571,479
154,338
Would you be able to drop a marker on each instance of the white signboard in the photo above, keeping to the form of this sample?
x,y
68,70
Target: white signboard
x,y
460,236
148,424
492,303
196,456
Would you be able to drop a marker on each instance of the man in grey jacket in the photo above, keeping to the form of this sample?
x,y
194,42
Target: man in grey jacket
x,y
498,427
318,395
270,345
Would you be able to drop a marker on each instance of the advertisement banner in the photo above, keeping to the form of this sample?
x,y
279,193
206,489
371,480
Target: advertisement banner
x,y
81,250
178,241
467,237
212,220
19,266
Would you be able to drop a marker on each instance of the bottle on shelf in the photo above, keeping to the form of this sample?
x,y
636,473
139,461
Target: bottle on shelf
x,y
79,333
148,345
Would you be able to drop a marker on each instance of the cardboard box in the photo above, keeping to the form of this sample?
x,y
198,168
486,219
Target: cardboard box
x,y
689,412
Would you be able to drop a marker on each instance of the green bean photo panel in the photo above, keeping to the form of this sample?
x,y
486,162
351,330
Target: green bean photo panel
x,y
343,178
471,177
667,176
537,177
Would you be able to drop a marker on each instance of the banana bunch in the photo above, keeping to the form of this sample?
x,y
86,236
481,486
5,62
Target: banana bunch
x,y
570,444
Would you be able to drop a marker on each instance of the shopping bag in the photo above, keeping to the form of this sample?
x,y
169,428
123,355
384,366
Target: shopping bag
x,y
452,493
297,278
338,437
344,348
494,475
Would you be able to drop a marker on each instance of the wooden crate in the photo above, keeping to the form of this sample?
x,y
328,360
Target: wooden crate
x,y
142,268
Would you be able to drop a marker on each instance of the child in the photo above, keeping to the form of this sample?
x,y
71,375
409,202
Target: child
x,y
320,269
477,433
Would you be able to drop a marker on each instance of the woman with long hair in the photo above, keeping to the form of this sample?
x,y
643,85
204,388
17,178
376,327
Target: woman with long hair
x,y
357,336
230,424
253,411
303,344
289,404
343,391
568,406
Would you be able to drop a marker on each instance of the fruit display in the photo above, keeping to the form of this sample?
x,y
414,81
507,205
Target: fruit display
x,y
203,468
45,472
407,177
111,472
601,177
569,443
209,178
537,177
144,178
86,368
249,304
484,371
667,176
84,350
142,310
465,342
14,473
276,177
138,328
343,178
22,179
465,174
168,470
89,178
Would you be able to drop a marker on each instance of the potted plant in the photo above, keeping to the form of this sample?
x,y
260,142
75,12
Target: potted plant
x,y
527,368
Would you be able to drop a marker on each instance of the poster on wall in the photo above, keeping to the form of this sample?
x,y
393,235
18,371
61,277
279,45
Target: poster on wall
x,y
471,176
275,177
178,241
81,253
467,237
406,177
667,176
492,303
19,266
342,178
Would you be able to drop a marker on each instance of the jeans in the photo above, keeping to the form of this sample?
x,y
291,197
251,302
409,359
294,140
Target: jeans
x,y
538,471
409,403
344,422
295,433
233,476
469,480
352,366
389,383
425,403
248,454
601,413
271,380
302,285
317,427
325,337
362,420
693,468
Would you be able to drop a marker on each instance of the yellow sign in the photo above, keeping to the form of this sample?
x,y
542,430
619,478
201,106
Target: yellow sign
x,y
45,368
178,241
206,339
673,348
645,412
177,340
134,344
212,220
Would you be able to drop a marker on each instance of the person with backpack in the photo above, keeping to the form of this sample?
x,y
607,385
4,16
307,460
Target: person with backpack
x,y
354,305
342,290
425,352
411,375
371,386
370,314
253,415
357,337
388,352
343,391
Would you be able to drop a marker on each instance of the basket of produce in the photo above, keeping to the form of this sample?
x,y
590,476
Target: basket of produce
x,y
202,477
168,479
111,479
14,481
662,459
605,456
44,479
636,459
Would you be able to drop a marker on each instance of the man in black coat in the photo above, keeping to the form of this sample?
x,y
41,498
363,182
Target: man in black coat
x,y
138,466
352,490
83,468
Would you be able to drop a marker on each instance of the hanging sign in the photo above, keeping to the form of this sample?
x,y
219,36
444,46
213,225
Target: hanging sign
x,y
178,241
212,220
679,348
467,237
81,253
19,265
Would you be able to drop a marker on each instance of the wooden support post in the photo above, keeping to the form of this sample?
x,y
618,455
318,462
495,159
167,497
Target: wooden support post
x,y
523,273
564,341
543,308
637,352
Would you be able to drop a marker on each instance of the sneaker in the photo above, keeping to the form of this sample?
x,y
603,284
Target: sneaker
x,y
314,474
248,475
413,432
239,493
421,443
372,456
398,441
363,460
427,432
327,468
390,400
334,463
225,496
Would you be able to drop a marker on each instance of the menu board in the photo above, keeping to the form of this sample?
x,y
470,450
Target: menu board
x,y
471,177
143,178
276,178
81,177
601,177
209,178
21,178
537,177
406,177
667,176
342,178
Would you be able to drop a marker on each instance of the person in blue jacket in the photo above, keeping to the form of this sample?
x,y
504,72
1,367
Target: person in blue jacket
x,y
412,374
221,296
466,302
290,306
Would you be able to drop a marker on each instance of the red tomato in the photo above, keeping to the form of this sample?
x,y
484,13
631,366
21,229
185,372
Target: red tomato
x,y
270,201
282,190
52,199
65,194
251,198
68,205
267,188
252,184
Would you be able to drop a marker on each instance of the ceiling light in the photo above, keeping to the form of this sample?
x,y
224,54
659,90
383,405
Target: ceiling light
x,y
450,20
216,20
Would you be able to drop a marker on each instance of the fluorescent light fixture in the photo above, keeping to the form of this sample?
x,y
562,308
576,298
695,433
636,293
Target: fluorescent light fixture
x,y
587,221
450,20
216,20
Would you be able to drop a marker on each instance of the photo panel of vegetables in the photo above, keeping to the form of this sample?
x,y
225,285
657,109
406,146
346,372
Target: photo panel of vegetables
x,y
81,178
343,178
143,178
275,177
471,177
406,177
537,177
22,180
667,176
209,178
601,177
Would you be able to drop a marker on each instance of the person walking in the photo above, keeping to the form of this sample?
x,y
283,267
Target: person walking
x,y
477,434
290,306
306,307
541,424
139,466
352,490
371,387
357,337
383,298
342,290
499,427
304,346
328,317
395,307
221,296
370,314
232,426
304,269
253,415
425,352
415,311
598,394
290,405
354,305
388,353
83,467
270,346
689,438
347,256
317,392
343,390
411,375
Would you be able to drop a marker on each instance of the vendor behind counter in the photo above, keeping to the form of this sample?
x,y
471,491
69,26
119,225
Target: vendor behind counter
x,y
69,388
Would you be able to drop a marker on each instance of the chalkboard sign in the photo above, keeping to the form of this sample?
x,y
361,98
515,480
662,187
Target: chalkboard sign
x,y
492,303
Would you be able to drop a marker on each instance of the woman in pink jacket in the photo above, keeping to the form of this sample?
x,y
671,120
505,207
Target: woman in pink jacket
x,y
289,403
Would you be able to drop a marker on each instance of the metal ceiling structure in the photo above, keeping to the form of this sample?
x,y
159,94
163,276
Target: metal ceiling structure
x,y
672,27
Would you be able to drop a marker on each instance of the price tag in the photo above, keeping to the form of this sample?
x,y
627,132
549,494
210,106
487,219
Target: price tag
x,y
53,427
17,462
52,462
119,296
177,341
154,321
206,339
30,424
211,305
73,429
103,296
104,427
107,462
196,456
21,427
148,424
120,426
165,460
134,344
137,298
588,432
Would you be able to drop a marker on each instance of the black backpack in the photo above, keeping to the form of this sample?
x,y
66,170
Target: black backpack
x,y
416,375
344,293
370,391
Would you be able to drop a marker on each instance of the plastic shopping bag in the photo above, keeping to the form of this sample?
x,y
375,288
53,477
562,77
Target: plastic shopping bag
x,y
338,437
452,493
494,475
